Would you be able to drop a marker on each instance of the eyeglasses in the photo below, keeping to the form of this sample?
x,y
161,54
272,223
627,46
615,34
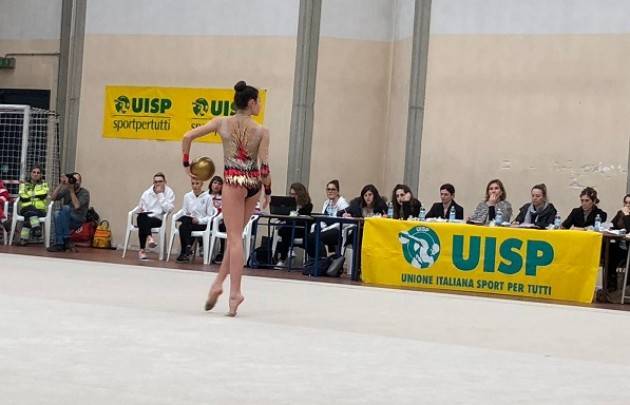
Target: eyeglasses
x,y
585,199
400,195
36,172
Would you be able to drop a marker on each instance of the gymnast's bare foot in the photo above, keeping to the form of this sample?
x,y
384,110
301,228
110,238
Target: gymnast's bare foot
x,y
235,301
213,296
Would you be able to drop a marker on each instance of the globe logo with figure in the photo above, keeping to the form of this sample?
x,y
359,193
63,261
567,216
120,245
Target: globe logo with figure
x,y
200,107
421,246
122,104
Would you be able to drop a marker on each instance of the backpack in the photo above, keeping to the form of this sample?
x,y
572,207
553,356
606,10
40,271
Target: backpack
x,y
261,257
92,216
102,236
331,266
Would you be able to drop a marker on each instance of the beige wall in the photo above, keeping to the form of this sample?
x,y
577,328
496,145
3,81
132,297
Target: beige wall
x,y
350,116
117,171
544,104
31,72
527,109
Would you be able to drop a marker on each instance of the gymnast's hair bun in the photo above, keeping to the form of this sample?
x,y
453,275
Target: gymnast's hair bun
x,y
240,86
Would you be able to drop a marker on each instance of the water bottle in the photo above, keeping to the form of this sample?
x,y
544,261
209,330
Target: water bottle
x,y
390,210
451,214
422,214
557,222
598,223
498,219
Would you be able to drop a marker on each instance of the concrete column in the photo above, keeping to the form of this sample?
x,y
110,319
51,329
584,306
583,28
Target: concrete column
x,y
417,87
69,79
301,135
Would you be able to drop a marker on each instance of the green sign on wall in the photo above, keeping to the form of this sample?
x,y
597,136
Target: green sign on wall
x,y
7,63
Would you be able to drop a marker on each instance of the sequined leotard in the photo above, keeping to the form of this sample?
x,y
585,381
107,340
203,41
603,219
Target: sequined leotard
x,y
243,148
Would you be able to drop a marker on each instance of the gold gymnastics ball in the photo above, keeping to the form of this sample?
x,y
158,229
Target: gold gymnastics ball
x,y
202,168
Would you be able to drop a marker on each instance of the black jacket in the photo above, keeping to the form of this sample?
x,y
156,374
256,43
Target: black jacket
x,y
356,210
542,220
306,210
621,221
408,209
576,218
437,211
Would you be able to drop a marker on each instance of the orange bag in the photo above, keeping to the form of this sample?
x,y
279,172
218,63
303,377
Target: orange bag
x,y
102,236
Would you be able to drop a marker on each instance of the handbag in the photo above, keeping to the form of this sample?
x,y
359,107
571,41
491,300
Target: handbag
x,y
82,236
102,236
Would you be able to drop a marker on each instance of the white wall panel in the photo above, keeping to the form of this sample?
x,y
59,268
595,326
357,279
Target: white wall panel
x,y
530,16
193,17
30,19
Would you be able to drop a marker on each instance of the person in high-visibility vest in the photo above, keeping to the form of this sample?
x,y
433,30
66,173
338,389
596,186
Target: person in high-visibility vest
x,y
33,204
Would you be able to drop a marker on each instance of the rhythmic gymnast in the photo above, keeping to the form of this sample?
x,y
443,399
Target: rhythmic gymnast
x,y
246,158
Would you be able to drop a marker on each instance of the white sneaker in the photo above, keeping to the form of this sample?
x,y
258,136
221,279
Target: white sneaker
x,y
280,263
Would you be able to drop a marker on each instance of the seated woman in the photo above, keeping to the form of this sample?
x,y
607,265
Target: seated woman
x,y
156,201
585,214
494,201
405,205
618,250
304,207
198,210
33,204
368,204
215,190
329,234
442,209
539,212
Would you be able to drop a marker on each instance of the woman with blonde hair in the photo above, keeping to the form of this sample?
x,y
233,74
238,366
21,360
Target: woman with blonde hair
x,y
539,212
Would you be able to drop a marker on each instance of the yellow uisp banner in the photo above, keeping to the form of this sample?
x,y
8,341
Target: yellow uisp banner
x,y
559,265
166,113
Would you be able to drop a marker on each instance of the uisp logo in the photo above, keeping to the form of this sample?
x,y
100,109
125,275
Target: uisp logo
x,y
421,246
122,104
146,105
200,107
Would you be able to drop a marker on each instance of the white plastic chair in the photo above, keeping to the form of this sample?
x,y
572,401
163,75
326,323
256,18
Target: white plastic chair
x,y
204,235
5,235
161,231
45,221
217,234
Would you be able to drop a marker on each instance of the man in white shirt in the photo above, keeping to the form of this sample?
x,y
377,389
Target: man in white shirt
x,y
198,211
155,202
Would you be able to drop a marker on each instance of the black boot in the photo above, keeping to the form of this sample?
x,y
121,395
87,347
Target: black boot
x,y
36,231
56,248
184,256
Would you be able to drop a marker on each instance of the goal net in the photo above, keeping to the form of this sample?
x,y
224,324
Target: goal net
x,y
28,136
